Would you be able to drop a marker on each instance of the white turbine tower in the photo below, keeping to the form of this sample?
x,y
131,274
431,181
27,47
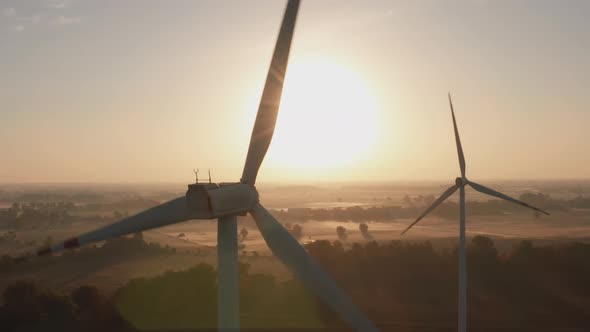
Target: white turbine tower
x,y
460,183
225,201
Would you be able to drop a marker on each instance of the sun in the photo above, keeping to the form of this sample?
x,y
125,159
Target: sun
x,y
327,117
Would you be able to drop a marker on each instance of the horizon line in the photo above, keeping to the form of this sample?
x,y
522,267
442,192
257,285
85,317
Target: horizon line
x,y
294,183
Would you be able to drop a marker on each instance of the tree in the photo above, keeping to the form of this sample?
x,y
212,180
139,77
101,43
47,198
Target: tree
x,y
342,234
483,250
243,234
364,228
297,231
27,307
87,298
173,301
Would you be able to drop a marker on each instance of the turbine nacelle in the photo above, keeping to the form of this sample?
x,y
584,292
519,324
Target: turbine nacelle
x,y
216,200
461,182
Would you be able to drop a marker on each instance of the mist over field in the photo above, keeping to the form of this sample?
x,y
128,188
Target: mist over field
x,y
33,214
333,221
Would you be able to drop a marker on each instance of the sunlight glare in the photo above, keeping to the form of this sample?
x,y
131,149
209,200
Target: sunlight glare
x,y
327,117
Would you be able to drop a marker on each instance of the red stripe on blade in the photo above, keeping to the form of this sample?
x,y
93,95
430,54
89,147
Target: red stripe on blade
x,y
71,243
44,251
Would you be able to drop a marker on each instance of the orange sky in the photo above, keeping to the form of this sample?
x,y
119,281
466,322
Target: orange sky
x,y
145,91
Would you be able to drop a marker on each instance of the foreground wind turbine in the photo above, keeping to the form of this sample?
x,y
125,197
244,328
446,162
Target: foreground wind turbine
x,y
225,201
460,184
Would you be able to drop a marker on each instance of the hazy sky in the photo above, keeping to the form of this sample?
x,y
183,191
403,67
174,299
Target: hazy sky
x,y
134,91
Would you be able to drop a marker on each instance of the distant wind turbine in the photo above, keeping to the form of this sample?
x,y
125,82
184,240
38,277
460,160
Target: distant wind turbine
x,y
460,183
225,201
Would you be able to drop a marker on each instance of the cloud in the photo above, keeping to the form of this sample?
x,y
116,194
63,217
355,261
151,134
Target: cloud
x,y
17,28
65,20
58,4
30,19
8,12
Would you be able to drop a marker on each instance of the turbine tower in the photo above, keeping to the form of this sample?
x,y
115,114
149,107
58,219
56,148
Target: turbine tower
x,y
225,201
460,184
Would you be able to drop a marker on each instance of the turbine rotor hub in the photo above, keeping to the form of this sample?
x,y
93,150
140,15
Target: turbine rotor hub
x,y
460,182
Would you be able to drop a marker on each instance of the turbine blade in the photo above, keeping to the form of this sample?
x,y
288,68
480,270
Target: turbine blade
x,y
436,203
171,212
457,140
292,254
491,192
271,97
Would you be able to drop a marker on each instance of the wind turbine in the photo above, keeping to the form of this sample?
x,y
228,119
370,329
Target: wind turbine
x,y
460,184
225,201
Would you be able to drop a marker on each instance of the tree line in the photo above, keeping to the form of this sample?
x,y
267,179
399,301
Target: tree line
x,y
414,206
401,285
